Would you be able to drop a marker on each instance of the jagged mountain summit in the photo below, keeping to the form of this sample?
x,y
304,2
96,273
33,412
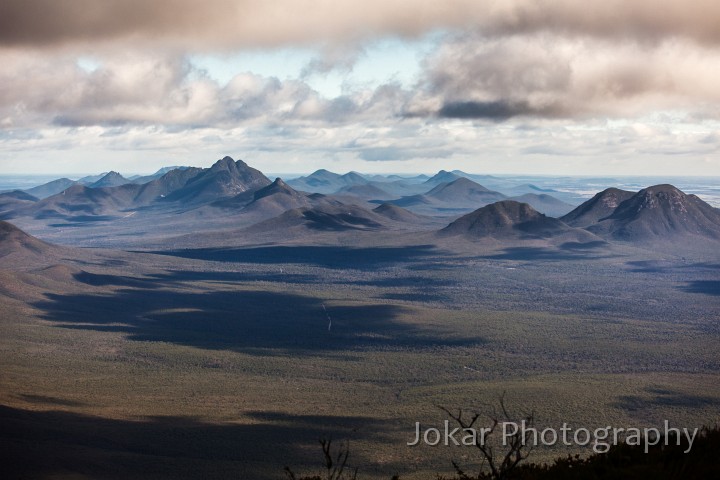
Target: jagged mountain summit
x,y
660,212
226,178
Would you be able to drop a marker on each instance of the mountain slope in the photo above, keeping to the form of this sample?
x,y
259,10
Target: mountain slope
x,y
80,202
442,176
327,218
17,243
51,188
661,212
90,179
369,191
457,196
142,179
395,213
276,198
10,201
602,205
161,187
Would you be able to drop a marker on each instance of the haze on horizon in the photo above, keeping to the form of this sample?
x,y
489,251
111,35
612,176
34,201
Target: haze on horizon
x,y
511,86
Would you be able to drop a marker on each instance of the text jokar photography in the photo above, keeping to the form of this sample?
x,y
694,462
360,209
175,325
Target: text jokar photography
x,y
599,439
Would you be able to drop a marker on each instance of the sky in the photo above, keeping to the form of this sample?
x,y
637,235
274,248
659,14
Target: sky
x,y
556,87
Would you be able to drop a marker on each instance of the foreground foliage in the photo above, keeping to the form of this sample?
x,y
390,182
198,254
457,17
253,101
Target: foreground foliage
x,y
661,462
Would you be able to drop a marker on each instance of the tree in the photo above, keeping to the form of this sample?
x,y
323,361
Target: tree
x,y
334,464
499,457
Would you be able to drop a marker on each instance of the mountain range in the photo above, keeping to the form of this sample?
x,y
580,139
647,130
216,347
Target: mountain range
x,y
230,195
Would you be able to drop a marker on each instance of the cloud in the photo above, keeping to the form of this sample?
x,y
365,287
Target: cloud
x,y
334,57
41,89
385,154
493,110
471,76
218,24
468,76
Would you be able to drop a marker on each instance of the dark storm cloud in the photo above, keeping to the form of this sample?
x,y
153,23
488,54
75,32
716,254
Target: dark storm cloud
x,y
192,24
496,110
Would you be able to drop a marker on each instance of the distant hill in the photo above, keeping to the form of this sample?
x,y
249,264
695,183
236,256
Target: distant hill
x,y
318,180
661,212
13,200
79,201
142,179
464,191
368,191
324,181
442,176
459,195
544,203
335,218
18,195
159,188
90,179
506,219
51,188
112,179
395,213
397,178
226,178
476,177
602,205
519,190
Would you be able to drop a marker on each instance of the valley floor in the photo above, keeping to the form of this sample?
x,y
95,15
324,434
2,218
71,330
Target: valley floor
x,y
232,362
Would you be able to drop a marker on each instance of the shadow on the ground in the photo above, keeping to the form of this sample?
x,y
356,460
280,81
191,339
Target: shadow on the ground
x,y
323,256
707,287
253,321
663,397
546,254
666,266
51,444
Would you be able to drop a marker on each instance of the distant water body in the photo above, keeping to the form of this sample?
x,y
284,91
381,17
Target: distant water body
x,y
23,182
707,188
